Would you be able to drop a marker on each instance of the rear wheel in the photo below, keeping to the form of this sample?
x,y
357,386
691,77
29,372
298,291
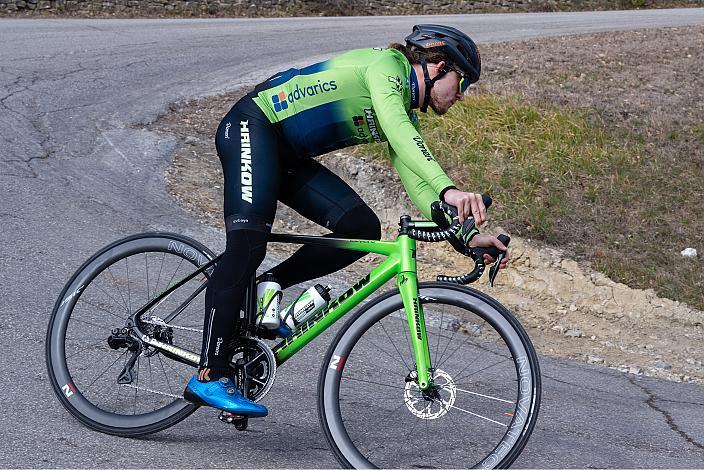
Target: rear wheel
x,y
104,376
481,410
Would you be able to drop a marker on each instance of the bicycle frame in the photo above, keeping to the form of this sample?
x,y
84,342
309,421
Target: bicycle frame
x,y
400,262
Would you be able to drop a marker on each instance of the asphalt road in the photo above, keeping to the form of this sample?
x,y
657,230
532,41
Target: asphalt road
x,y
77,171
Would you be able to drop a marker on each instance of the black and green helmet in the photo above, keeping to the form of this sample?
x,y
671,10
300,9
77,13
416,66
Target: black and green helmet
x,y
458,46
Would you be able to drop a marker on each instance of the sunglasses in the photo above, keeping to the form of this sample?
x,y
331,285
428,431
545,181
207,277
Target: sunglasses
x,y
464,79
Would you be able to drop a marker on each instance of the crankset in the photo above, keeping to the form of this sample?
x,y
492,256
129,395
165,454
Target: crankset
x,y
255,371
255,367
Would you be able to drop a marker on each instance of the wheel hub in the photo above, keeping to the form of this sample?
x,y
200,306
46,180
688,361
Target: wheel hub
x,y
434,402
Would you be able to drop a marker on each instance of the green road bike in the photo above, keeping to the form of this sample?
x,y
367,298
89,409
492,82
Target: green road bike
x,y
429,374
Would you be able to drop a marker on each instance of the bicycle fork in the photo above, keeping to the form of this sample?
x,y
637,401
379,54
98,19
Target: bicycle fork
x,y
407,281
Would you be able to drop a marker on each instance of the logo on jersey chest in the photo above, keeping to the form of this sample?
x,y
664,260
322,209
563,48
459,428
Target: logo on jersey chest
x,y
370,121
281,100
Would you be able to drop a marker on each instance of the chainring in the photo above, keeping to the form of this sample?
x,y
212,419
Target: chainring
x,y
255,367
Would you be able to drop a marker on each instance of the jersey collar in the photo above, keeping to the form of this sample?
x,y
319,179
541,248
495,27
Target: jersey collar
x,y
415,99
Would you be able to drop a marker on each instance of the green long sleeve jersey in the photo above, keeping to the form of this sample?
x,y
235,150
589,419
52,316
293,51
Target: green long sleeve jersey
x,y
361,96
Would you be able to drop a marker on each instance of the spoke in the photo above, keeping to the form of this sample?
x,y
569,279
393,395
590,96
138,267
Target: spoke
x,y
479,416
161,266
409,433
101,308
83,340
129,296
134,409
393,373
460,377
442,317
102,327
118,290
117,396
103,372
172,369
164,371
83,349
404,331
374,383
174,274
113,299
370,428
427,436
387,353
151,379
146,269
457,349
485,396
454,332
394,344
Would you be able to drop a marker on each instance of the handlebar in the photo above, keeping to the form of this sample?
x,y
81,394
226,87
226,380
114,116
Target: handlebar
x,y
438,235
449,232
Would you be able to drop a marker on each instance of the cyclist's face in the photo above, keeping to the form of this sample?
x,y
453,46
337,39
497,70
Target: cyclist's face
x,y
445,92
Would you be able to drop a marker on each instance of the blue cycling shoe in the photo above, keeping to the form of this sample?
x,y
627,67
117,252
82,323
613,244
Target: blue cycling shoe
x,y
223,395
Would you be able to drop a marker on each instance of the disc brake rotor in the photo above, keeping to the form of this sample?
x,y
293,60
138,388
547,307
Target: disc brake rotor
x,y
434,403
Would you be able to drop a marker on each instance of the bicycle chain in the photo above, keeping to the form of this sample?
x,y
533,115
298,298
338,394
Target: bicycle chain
x,y
154,320
152,391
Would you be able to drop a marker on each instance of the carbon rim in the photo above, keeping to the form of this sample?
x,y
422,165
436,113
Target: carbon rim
x,y
79,358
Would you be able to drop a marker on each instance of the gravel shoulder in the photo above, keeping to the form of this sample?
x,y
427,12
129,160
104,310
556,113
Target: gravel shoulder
x,y
569,309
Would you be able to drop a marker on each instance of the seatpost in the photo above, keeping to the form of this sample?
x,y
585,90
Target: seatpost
x,y
250,305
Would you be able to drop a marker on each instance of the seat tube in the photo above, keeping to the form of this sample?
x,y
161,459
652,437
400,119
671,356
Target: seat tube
x,y
407,282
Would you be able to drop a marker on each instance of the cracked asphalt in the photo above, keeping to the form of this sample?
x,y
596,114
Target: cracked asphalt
x,y
78,171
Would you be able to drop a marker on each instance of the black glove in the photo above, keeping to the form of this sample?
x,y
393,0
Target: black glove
x,y
465,232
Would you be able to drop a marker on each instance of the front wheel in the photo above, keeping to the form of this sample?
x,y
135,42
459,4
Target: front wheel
x,y
484,402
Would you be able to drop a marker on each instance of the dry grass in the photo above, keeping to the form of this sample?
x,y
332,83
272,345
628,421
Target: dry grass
x,y
594,144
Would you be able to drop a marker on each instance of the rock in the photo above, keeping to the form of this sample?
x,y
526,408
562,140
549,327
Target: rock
x,y
689,253
559,328
594,360
574,333
662,365
634,370
611,307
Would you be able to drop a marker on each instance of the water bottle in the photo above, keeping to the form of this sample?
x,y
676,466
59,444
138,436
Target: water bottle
x,y
311,301
268,298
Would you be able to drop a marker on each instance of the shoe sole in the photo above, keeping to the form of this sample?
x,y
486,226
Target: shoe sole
x,y
191,397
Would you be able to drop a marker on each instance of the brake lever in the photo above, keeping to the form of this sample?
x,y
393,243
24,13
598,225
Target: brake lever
x,y
494,270
494,253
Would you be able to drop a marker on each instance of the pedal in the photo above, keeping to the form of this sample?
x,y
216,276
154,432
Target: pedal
x,y
239,421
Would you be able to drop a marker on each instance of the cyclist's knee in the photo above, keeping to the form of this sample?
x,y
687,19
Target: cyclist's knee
x,y
245,250
359,222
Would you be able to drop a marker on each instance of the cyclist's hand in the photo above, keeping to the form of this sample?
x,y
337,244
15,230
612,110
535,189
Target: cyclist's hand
x,y
487,241
467,204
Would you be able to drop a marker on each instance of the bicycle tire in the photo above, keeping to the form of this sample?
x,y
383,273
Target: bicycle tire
x,y
337,362
69,394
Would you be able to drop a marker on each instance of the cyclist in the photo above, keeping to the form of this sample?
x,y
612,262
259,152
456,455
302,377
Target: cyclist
x,y
266,143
